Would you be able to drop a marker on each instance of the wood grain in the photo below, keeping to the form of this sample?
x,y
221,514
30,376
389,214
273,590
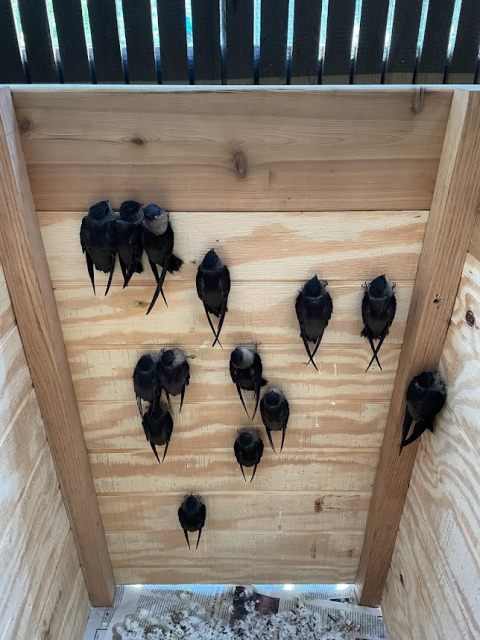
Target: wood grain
x,y
474,247
57,600
228,548
312,424
272,513
446,241
7,319
78,610
341,246
262,311
20,453
101,375
324,470
15,381
437,547
300,147
34,539
242,573
30,288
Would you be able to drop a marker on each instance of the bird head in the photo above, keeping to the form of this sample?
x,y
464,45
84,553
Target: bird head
x,y
131,211
211,260
246,438
313,288
172,358
242,357
380,287
191,503
273,397
156,218
100,210
146,363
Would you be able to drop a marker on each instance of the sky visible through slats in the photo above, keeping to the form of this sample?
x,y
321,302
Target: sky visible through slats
x,y
256,30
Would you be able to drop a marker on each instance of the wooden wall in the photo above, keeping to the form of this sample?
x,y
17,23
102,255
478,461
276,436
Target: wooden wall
x,y
41,582
284,185
433,586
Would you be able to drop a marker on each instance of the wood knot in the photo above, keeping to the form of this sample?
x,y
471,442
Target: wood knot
x,y
137,140
240,164
24,125
313,550
319,502
470,318
418,100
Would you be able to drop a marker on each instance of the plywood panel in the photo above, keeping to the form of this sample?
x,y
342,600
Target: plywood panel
x,y
7,319
78,610
101,375
312,424
15,381
33,542
58,598
262,311
435,573
228,548
23,443
243,573
300,148
269,247
324,470
269,513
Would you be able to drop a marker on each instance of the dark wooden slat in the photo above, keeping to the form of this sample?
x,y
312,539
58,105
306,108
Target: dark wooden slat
x,y
11,67
28,279
206,41
447,237
338,48
306,31
173,41
371,42
403,47
41,63
138,33
273,41
431,67
239,29
106,45
71,41
465,54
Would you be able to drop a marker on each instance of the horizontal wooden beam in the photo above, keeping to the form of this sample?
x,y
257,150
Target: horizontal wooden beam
x,y
30,288
447,237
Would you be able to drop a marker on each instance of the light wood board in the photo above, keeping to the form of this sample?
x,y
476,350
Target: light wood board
x,y
30,288
446,241
273,513
200,426
434,577
264,246
323,470
220,150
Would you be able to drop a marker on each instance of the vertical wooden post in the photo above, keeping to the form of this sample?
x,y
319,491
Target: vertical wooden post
x,y
449,229
30,288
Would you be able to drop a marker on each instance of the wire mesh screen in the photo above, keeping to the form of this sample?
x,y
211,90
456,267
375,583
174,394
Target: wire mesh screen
x,y
240,41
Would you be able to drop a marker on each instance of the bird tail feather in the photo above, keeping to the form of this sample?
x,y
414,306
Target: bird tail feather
x,y
174,263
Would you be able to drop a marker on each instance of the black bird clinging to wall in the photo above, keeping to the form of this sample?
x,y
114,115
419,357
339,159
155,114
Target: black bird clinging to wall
x,y
378,311
246,373
145,380
192,514
426,395
213,287
314,309
173,373
97,238
275,412
158,239
248,449
128,238
158,426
